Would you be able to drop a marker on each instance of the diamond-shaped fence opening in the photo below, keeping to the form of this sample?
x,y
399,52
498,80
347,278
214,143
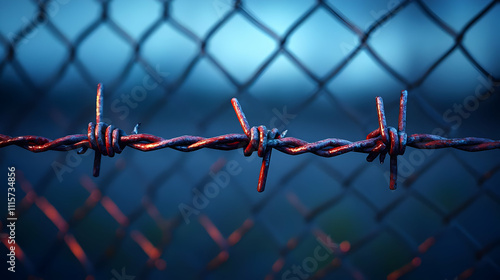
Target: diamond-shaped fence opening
x,y
310,67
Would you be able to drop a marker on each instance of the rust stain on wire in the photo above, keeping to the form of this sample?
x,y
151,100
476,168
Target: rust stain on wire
x,y
108,140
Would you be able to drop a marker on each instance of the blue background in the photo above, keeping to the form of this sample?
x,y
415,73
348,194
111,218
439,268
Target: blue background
x,y
307,58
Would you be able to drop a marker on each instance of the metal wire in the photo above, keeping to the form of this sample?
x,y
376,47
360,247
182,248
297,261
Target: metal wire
x,y
69,223
107,140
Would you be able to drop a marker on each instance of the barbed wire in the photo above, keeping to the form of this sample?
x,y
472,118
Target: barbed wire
x,y
108,140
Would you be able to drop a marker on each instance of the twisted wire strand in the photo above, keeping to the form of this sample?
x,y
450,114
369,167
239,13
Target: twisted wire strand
x,y
107,140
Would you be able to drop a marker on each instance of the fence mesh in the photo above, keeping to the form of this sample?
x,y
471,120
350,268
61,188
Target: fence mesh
x,y
197,215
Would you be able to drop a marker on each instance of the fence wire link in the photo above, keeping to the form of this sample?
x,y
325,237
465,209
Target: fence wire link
x,y
107,140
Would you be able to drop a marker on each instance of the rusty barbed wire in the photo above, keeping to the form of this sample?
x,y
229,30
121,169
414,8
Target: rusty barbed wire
x,y
108,140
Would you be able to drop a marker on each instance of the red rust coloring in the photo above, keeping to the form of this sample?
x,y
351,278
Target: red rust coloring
x,y
107,140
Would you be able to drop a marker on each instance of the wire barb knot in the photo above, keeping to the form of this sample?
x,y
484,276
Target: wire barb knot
x,y
389,140
107,140
104,139
258,140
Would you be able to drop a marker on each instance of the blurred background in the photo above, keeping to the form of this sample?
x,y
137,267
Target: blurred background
x,y
311,67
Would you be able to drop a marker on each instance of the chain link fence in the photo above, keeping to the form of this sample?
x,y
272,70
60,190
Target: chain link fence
x,y
312,67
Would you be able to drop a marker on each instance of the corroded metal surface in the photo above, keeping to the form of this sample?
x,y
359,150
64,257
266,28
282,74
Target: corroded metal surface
x,y
108,140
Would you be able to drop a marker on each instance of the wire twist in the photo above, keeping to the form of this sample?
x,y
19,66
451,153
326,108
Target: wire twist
x,y
388,139
258,140
107,140
104,139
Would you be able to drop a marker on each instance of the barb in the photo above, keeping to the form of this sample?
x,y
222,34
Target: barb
x,y
107,140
